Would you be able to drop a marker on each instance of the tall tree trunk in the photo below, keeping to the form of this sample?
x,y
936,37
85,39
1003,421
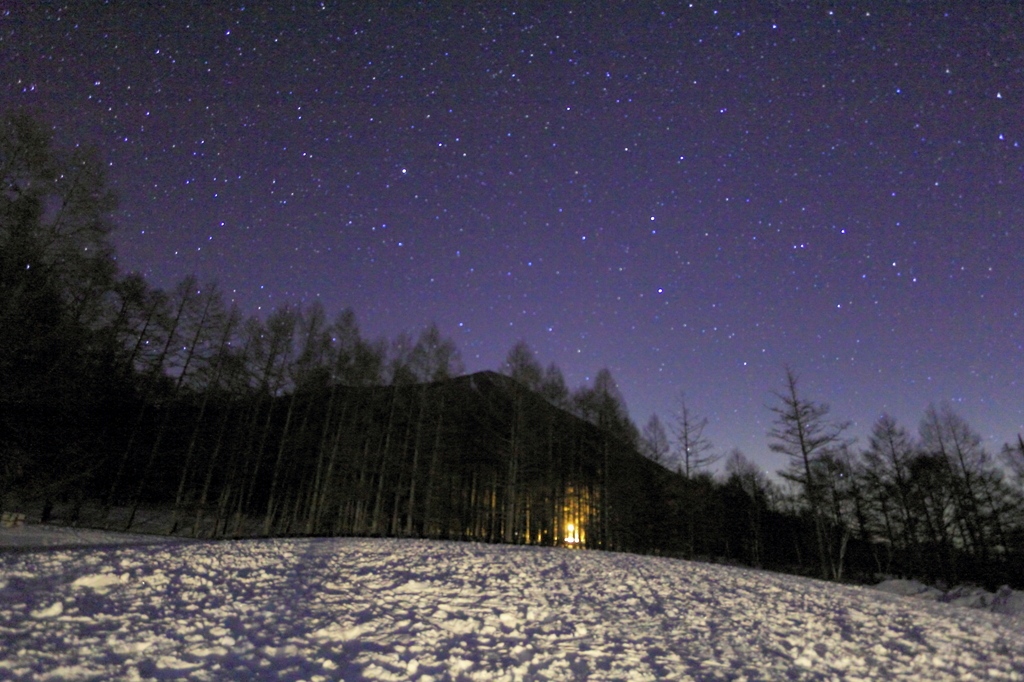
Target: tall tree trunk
x,y
275,475
376,519
415,464
428,496
324,484
186,297
210,468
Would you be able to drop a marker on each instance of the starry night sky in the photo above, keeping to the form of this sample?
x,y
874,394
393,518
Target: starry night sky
x,y
691,194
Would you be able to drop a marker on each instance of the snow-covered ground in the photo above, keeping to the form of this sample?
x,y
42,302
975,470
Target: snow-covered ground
x,y
354,609
40,535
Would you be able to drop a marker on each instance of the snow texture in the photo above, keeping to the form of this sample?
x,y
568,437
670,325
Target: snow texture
x,y
362,609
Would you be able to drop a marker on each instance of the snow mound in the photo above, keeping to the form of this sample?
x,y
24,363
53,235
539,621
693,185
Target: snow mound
x,y
1005,601
969,596
100,581
1008,602
909,588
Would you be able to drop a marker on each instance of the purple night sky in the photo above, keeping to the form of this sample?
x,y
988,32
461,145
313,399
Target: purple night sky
x,y
691,194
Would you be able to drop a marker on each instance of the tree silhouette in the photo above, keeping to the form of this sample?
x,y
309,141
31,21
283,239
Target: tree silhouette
x,y
522,366
553,387
803,433
654,443
693,451
56,268
1013,457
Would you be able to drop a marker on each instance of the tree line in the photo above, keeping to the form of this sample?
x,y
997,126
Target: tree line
x,y
936,505
121,404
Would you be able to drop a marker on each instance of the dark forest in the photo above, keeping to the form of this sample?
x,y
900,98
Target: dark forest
x,y
126,407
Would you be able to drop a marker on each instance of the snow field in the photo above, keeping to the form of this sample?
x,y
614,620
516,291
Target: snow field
x,y
361,609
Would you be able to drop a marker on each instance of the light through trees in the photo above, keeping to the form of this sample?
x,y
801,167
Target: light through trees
x,y
576,512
